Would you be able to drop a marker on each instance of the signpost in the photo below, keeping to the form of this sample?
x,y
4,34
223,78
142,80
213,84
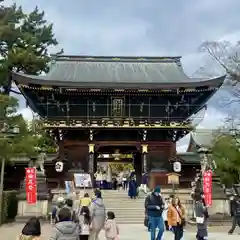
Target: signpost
x,y
31,185
207,187
173,178
82,180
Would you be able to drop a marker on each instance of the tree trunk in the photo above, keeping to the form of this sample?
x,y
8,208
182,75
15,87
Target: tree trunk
x,y
1,189
8,86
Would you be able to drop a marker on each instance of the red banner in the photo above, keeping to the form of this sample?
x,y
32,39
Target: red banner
x,y
31,185
207,187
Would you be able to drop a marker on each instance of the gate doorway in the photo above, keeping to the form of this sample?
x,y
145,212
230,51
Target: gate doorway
x,y
117,163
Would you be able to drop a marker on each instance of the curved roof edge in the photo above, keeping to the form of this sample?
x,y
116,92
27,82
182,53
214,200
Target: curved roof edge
x,y
192,145
200,138
20,78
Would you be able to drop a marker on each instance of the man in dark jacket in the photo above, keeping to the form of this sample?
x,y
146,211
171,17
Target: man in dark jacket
x,y
235,213
154,206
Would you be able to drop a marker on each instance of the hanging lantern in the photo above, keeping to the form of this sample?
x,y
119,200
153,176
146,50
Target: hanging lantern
x,y
177,167
59,166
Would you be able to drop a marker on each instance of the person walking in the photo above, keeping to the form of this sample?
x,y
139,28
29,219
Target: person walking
x,y
176,218
114,183
84,222
165,212
69,205
31,230
132,188
125,182
111,227
98,178
98,216
154,205
56,209
235,213
144,182
65,229
201,214
85,201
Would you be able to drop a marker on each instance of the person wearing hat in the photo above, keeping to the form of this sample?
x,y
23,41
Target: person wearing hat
x,y
154,206
59,204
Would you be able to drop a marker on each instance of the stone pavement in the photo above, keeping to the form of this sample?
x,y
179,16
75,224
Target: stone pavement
x,y
127,232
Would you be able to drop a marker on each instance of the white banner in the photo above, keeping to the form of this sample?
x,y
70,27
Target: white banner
x,y
82,180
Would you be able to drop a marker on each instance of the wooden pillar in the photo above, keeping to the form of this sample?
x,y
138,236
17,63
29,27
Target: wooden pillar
x,y
91,160
144,158
138,167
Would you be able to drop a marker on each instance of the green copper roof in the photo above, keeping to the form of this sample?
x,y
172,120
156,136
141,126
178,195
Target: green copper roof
x,y
86,71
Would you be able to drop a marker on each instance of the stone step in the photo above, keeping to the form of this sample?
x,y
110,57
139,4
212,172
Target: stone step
x,y
116,206
125,207
137,216
122,202
133,220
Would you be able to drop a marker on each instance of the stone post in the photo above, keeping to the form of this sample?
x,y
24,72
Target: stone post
x,y
40,209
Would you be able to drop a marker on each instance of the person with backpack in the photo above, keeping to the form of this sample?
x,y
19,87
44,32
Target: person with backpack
x,y
56,209
69,205
235,213
98,216
154,206
65,228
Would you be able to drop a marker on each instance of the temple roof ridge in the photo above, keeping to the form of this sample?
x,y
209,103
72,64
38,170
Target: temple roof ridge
x,y
90,73
92,58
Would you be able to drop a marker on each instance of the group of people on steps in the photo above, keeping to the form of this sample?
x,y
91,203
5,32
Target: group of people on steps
x,y
84,223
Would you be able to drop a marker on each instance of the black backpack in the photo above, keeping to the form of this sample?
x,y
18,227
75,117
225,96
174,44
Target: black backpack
x,y
237,211
150,201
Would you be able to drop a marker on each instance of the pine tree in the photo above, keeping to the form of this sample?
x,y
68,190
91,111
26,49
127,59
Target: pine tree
x,y
24,43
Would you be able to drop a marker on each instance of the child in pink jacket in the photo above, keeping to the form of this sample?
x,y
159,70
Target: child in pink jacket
x,y
111,227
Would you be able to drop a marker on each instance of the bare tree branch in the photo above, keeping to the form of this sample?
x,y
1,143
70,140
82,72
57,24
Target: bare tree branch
x,y
227,56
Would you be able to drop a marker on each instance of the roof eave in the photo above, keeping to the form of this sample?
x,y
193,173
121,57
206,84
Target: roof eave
x,y
31,79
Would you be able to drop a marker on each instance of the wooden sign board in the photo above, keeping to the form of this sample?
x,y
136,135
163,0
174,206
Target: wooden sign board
x,y
173,178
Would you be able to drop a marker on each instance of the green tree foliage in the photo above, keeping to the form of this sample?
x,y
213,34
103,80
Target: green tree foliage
x,y
226,154
24,43
45,142
15,137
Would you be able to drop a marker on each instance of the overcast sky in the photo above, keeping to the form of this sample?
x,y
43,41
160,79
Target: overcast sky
x,y
141,27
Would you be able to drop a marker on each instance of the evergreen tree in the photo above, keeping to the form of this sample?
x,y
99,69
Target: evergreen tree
x,y
24,43
226,154
15,138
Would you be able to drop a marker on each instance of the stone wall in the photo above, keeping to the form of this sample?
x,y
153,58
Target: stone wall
x,y
219,207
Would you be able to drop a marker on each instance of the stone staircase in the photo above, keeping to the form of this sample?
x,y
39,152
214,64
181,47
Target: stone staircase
x,y
127,211
130,211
